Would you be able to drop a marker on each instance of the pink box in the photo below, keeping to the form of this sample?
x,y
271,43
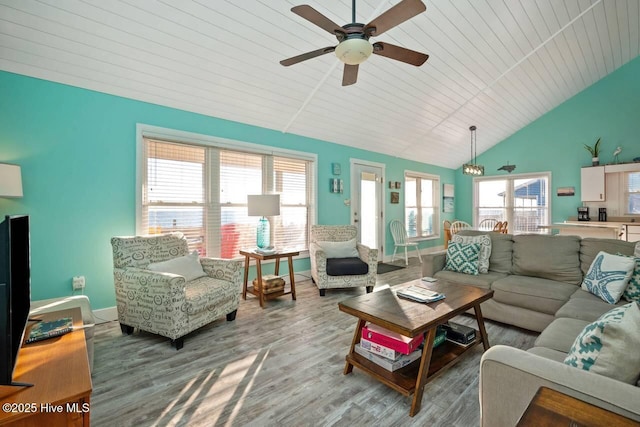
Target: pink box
x,y
393,340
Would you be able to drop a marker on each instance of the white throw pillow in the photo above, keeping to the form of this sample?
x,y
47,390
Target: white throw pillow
x,y
187,266
609,346
608,276
346,249
485,249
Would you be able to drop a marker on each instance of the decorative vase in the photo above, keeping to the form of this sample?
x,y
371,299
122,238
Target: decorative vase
x,y
263,233
595,161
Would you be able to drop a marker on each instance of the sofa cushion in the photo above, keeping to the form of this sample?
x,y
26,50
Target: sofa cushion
x,y
485,249
591,246
501,249
187,266
483,281
609,276
548,353
585,306
609,346
560,334
352,266
345,249
549,257
533,293
462,258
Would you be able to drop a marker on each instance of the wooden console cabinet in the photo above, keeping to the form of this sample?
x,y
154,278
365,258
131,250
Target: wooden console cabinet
x,y
58,368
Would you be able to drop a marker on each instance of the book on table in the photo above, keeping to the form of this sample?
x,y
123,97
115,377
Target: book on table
x,y
419,294
388,364
50,329
392,354
390,339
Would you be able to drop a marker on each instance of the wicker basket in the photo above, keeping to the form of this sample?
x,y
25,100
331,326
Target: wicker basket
x,y
270,284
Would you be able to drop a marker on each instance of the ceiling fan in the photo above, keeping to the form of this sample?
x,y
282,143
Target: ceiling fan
x,y
354,47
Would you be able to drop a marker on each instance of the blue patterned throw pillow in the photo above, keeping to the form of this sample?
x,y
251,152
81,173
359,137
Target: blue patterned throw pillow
x,y
608,276
609,346
463,258
632,293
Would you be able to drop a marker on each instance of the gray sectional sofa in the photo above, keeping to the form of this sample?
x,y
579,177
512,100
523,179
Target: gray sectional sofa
x,y
536,281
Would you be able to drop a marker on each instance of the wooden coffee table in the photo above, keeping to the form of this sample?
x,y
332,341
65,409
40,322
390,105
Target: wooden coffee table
x,y
409,318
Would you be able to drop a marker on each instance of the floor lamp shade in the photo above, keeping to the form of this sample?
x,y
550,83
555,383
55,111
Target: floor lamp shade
x,y
263,205
10,180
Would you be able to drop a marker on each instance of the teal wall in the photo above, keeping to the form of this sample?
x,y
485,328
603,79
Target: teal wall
x,y
77,152
610,108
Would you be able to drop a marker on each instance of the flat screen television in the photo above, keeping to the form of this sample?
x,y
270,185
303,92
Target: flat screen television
x,y
15,292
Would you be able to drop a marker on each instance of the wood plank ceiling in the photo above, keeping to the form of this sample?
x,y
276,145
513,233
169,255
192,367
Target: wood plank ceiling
x,y
496,64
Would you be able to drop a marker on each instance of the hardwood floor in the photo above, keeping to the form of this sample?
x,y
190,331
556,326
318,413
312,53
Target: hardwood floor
x,y
277,366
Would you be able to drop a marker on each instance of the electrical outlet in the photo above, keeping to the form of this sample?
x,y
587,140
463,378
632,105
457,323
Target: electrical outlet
x,y
78,283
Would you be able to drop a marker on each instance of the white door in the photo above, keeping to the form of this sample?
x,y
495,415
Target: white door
x,y
367,203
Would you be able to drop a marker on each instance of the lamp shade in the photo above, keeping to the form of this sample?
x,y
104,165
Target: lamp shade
x,y
354,51
10,180
263,204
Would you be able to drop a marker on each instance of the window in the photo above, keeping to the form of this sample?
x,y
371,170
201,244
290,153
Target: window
x,y
632,193
521,200
201,190
421,204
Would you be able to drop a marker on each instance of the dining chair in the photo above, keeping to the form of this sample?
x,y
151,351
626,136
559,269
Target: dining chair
x,y
459,225
400,240
488,224
446,226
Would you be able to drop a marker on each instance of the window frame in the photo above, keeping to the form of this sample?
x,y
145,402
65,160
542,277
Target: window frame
x,y
509,207
144,131
436,200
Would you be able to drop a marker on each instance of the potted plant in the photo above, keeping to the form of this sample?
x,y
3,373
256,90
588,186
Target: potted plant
x,y
595,151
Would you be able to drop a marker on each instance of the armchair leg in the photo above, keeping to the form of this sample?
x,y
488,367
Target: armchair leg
x,y
321,292
369,289
178,343
232,316
126,329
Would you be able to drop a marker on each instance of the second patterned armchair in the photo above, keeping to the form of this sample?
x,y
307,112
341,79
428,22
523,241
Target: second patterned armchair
x,y
162,289
337,261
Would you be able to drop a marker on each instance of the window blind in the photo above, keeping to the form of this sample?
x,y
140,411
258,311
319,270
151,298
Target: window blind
x,y
202,192
632,193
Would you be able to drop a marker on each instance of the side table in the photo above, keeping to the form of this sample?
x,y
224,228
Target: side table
x,y
551,408
258,257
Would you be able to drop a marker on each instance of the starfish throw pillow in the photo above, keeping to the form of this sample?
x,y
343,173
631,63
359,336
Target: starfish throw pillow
x,y
608,276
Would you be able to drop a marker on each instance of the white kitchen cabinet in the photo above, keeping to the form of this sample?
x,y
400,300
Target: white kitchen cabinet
x,y
633,233
592,184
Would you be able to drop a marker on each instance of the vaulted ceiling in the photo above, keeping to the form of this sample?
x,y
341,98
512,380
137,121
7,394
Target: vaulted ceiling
x,y
496,64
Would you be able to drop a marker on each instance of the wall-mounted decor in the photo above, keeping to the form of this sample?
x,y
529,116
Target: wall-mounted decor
x,y
566,191
447,197
392,184
395,197
398,185
336,185
336,168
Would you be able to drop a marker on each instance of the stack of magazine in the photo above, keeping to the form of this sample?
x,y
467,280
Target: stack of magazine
x,y
50,329
420,294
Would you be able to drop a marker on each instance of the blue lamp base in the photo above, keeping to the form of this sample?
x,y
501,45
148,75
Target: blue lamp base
x,y
263,235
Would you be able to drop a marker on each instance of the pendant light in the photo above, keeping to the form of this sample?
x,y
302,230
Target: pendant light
x,y
472,168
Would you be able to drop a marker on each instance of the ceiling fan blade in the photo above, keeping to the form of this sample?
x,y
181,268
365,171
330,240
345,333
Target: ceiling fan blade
x,y
400,53
315,17
308,55
399,13
350,75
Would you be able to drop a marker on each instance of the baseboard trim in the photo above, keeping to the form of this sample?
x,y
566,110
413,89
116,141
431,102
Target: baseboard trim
x,y
105,315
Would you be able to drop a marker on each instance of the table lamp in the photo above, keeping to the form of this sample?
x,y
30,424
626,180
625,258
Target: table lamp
x,y
10,180
263,205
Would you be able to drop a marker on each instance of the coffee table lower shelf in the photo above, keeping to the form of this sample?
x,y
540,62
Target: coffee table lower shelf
x,y
404,380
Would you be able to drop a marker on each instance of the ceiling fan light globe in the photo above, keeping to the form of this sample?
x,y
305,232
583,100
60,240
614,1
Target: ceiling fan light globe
x,y
354,51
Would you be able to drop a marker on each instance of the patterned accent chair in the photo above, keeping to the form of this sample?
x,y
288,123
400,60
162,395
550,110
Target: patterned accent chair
x,y
164,303
340,233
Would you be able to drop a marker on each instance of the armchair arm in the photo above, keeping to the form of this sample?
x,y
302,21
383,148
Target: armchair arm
x,y
433,262
512,375
318,260
141,292
225,269
370,256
